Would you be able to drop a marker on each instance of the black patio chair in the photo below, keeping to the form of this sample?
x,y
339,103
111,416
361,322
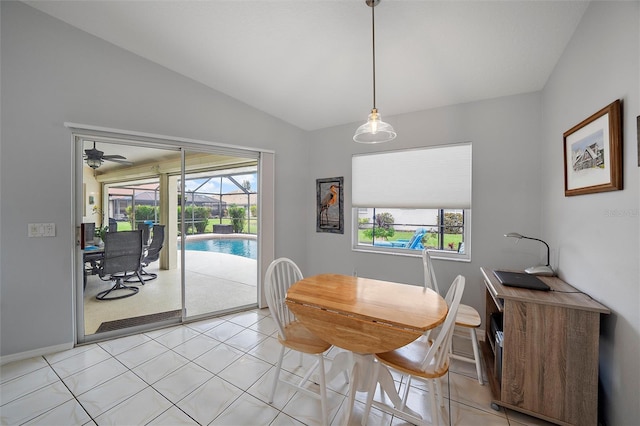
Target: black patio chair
x,y
122,256
152,254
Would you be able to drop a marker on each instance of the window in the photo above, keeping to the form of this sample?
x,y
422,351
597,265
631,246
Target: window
x,y
408,200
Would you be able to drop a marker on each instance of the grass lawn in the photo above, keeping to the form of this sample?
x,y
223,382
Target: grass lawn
x,y
431,239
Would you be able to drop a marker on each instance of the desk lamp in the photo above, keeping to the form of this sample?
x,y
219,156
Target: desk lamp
x,y
535,270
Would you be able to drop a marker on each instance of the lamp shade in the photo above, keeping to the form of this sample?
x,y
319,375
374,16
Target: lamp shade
x,y
374,130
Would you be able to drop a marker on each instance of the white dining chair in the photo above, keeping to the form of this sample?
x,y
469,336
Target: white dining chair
x,y
282,274
468,317
425,359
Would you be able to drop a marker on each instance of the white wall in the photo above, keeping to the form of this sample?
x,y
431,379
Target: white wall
x,y
53,73
595,237
505,133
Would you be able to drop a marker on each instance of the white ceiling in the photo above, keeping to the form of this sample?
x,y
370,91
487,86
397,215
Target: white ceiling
x,y
310,62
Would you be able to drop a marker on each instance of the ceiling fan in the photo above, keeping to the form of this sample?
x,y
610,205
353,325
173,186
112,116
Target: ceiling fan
x,y
95,158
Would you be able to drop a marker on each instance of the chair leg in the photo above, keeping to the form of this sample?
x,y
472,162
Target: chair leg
x,y
119,285
323,391
277,375
476,354
435,411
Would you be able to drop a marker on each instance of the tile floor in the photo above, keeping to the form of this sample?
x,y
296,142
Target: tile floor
x,y
216,372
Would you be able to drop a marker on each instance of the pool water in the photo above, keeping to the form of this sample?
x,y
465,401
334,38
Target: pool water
x,y
237,247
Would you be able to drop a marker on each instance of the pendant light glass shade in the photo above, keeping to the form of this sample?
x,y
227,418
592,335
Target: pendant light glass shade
x,y
374,130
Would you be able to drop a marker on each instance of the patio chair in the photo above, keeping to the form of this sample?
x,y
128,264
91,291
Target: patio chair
x,y
122,256
151,254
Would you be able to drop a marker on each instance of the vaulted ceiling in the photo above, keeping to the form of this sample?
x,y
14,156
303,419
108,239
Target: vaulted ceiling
x,y
309,63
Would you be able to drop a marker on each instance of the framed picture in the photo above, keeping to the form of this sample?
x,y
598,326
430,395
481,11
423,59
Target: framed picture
x,y
593,153
330,205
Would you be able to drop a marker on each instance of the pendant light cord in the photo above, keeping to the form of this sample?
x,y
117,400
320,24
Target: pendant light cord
x,y
373,45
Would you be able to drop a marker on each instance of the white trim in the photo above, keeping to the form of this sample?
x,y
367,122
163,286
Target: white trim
x,y
127,134
36,352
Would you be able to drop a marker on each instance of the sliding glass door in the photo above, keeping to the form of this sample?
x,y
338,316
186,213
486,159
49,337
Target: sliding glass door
x,y
219,233
198,213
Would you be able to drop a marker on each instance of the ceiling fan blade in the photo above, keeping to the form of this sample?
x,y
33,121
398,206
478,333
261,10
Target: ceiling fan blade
x,y
116,160
110,157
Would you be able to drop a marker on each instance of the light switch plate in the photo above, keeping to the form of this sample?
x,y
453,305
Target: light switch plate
x,y
41,230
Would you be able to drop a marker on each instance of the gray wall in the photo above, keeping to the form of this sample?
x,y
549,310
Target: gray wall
x,y
506,189
595,237
53,73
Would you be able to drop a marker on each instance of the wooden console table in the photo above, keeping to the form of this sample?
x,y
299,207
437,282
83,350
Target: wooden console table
x,y
549,351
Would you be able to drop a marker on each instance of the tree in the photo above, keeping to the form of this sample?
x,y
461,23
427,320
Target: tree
x,y
383,227
453,223
237,215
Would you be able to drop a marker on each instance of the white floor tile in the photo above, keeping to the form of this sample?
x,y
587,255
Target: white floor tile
x,y
27,383
173,417
246,340
247,410
34,404
93,376
80,361
224,331
245,371
69,413
16,369
160,366
107,395
193,348
218,358
139,409
138,379
209,400
117,346
141,353
182,382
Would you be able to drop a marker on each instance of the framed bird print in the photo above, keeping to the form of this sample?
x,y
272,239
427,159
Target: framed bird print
x,y
330,205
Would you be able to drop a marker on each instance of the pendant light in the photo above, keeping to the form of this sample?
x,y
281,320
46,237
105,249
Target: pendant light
x,y
374,130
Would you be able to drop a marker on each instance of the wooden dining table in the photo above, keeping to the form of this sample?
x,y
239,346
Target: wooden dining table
x,y
364,316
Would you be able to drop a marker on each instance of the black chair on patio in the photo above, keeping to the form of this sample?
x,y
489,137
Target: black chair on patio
x,y
122,256
152,254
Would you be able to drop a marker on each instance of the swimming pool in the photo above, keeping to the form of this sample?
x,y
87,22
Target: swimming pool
x,y
237,247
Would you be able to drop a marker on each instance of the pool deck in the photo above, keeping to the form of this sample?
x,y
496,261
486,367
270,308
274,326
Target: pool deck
x,y
214,282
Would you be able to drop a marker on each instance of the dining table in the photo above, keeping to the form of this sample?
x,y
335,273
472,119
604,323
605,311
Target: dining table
x,y
364,316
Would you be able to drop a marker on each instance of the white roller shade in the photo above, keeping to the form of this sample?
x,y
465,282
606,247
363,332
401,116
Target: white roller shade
x,y
434,177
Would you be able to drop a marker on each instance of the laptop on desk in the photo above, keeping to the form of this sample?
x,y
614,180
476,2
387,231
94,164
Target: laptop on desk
x,y
521,280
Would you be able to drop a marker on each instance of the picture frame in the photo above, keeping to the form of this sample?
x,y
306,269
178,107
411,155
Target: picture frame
x,y
330,205
593,153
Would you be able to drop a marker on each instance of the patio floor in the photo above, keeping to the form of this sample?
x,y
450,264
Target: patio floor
x,y
215,282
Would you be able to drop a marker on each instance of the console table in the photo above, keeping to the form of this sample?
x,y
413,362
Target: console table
x,y
547,363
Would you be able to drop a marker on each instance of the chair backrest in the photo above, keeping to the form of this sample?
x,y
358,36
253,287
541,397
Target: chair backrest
x,y
429,274
157,241
146,232
437,358
89,233
122,252
415,243
281,274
